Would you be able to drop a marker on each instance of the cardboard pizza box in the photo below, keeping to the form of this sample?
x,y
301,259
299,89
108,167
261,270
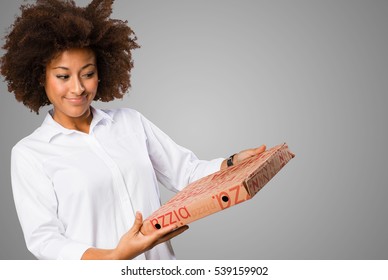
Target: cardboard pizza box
x,y
220,190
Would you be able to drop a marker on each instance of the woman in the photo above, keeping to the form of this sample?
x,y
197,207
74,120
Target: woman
x,y
85,177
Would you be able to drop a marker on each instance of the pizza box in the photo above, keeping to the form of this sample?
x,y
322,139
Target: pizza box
x,y
220,190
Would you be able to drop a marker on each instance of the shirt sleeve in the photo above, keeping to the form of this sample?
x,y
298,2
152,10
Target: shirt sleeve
x,y
175,166
36,206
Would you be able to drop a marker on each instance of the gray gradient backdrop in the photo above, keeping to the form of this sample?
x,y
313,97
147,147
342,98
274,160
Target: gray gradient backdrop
x,y
221,76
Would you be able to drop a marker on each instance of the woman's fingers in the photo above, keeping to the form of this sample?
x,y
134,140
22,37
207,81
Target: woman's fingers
x,y
248,153
172,234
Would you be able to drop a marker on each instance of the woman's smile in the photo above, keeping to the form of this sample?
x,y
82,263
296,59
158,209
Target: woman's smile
x,y
77,100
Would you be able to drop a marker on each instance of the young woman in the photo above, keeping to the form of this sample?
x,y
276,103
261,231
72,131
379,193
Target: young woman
x,y
85,177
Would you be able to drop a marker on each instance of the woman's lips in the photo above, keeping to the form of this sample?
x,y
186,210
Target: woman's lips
x,y
76,100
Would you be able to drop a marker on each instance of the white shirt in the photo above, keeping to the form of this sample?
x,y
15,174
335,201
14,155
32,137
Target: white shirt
x,y
74,190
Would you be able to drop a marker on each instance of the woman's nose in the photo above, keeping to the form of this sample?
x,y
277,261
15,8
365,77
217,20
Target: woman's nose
x,y
77,87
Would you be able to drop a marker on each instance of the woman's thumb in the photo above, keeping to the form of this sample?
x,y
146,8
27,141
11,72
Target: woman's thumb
x,y
138,221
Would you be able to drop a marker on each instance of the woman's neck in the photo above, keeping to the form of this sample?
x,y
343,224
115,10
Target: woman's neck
x,y
81,123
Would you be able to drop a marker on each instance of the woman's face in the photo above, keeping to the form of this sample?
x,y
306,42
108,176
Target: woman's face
x,y
71,84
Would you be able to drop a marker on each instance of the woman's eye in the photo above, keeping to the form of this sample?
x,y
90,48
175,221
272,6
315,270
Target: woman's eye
x,y
63,77
89,75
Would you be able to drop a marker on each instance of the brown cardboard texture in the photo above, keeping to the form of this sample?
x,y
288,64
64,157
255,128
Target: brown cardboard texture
x,y
220,190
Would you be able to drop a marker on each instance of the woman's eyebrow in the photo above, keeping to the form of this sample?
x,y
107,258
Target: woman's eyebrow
x,y
83,67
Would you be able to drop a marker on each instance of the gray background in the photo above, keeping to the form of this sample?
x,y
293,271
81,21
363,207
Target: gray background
x,y
222,76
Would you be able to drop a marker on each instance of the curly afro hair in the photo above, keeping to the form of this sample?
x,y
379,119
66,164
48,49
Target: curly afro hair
x,y
49,27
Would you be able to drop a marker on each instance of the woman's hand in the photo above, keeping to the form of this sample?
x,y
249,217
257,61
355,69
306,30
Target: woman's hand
x,y
244,155
134,243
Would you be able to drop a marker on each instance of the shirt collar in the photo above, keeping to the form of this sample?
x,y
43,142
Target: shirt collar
x,y
50,128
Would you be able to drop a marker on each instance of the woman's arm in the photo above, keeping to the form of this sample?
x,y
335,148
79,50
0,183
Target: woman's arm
x,y
36,204
176,166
